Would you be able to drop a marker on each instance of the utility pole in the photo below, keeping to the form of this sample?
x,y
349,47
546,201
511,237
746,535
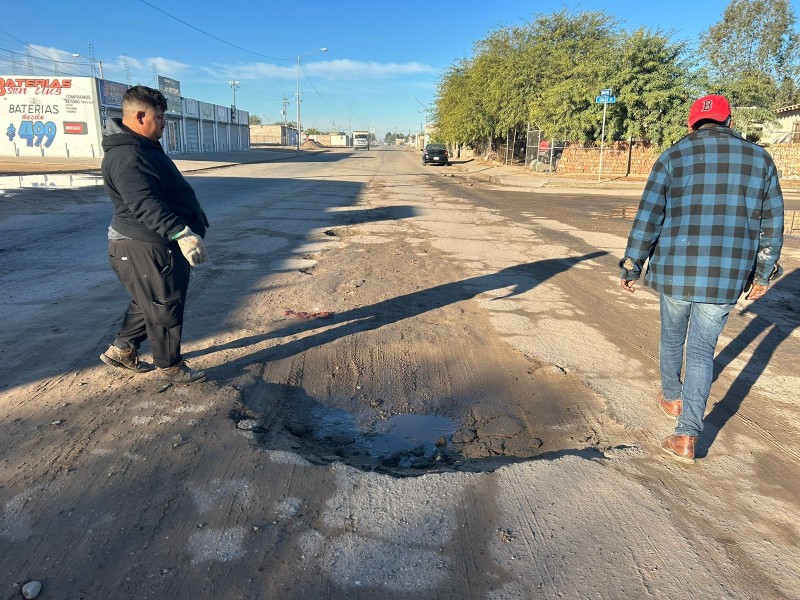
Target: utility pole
x,y
425,115
284,106
235,85
298,89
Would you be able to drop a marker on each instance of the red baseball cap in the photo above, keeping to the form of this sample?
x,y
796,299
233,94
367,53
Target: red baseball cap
x,y
713,108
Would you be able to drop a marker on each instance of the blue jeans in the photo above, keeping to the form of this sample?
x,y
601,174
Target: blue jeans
x,y
695,327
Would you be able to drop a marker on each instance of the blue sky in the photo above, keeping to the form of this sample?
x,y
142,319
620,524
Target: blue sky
x,y
381,55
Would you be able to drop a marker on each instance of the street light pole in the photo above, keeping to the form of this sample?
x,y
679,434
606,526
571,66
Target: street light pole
x,y
235,85
92,68
298,89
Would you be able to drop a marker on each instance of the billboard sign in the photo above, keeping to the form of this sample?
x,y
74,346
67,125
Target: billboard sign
x,y
47,116
111,93
171,88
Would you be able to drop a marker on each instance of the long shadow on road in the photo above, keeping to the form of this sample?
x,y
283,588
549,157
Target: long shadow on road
x,y
522,278
776,326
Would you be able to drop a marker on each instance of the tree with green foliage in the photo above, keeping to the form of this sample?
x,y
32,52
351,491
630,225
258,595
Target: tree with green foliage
x,y
460,115
580,59
752,58
254,120
656,87
547,73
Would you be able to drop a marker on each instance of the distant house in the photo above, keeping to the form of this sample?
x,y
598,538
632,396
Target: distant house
x,y
272,135
787,128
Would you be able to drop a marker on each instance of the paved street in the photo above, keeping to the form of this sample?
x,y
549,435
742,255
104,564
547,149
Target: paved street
x,y
424,382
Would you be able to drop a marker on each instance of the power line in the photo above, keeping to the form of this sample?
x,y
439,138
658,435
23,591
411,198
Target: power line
x,y
318,94
28,46
210,35
47,64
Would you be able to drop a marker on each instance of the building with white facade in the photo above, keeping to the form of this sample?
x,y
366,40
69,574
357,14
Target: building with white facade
x,y
65,117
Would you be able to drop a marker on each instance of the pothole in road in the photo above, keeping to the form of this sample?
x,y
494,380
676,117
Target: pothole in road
x,y
402,445
406,441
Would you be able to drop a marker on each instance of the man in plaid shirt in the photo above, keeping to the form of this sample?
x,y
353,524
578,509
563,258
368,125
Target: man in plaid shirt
x,y
710,221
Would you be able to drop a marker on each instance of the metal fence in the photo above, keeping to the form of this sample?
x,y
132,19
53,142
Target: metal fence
x,y
509,151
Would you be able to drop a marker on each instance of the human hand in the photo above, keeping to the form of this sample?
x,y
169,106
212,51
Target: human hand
x,y
757,291
192,246
627,284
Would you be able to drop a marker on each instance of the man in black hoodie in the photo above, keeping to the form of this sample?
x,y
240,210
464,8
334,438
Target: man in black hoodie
x,y
155,237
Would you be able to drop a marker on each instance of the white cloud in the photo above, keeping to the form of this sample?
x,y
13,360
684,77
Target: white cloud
x,y
141,69
164,66
340,69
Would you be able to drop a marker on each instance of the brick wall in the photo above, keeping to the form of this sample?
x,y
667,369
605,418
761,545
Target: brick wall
x,y
586,159
266,134
787,158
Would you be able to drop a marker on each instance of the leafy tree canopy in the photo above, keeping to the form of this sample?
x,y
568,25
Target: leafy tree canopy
x,y
546,74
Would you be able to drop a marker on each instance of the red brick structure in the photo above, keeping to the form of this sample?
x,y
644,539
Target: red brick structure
x,y
619,158
578,159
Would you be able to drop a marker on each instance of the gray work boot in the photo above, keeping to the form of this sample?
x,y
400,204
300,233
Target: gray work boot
x,y
123,359
181,374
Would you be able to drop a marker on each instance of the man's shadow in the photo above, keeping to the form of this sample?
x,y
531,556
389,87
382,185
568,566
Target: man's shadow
x,y
521,278
776,315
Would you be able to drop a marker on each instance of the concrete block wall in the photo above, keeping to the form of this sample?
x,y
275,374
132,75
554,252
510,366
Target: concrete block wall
x,y
787,158
586,159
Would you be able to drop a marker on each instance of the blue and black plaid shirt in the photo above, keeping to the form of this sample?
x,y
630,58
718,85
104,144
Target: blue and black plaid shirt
x,y
710,217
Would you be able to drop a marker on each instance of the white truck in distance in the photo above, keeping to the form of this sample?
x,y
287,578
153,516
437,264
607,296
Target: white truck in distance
x,y
361,140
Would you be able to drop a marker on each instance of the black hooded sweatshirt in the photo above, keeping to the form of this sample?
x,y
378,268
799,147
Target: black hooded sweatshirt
x,y
152,201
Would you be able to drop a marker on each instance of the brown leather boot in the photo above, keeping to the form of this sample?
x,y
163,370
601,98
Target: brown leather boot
x,y
671,408
680,447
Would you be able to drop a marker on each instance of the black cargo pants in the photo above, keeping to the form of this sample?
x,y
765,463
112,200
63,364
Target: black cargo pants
x,y
157,277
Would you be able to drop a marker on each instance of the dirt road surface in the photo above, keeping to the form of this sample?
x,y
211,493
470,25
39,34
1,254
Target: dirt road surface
x,y
420,386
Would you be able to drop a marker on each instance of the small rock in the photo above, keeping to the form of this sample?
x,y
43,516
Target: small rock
x,y
376,402
441,442
247,424
31,589
507,535
418,451
57,422
296,429
330,232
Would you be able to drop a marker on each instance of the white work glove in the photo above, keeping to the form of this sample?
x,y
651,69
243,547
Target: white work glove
x,y
191,245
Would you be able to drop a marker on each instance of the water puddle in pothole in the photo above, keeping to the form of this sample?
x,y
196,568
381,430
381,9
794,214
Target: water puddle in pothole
x,y
405,441
50,181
